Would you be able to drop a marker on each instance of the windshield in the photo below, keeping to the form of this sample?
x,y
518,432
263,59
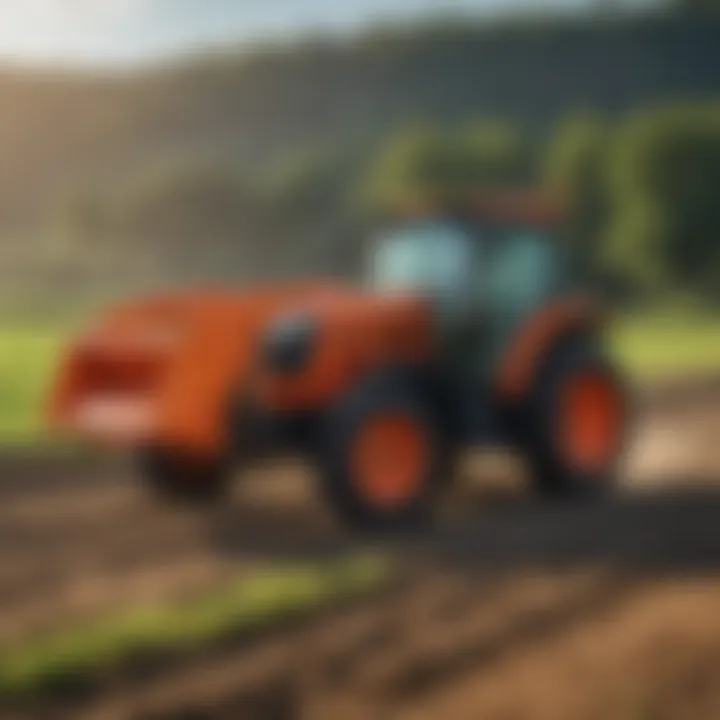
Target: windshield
x,y
432,257
527,270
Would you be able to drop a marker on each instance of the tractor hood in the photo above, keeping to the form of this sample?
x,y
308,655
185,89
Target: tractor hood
x,y
163,370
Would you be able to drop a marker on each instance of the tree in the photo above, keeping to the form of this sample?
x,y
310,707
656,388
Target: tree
x,y
492,153
696,5
408,170
311,218
308,183
667,186
575,169
420,165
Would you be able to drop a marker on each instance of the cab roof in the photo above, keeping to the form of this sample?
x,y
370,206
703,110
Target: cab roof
x,y
500,206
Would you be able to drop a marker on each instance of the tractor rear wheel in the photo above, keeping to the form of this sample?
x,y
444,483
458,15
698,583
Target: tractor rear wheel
x,y
576,424
177,477
381,456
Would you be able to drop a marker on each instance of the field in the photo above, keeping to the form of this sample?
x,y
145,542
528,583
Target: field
x,y
114,605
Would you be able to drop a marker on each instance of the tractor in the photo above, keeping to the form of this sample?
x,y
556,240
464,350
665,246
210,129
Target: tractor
x,y
468,328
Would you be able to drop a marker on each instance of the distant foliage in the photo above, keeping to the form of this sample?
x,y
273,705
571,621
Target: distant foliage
x,y
696,5
495,152
174,223
643,193
188,201
667,194
311,212
406,170
421,164
575,167
308,181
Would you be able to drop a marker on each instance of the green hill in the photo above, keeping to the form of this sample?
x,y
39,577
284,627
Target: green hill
x,y
59,132
72,145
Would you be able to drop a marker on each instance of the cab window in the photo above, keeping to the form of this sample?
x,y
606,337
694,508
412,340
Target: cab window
x,y
526,270
436,258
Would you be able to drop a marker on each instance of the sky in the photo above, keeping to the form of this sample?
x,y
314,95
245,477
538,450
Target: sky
x,y
104,32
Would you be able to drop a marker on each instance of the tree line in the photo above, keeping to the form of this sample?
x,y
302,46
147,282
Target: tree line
x,y
643,192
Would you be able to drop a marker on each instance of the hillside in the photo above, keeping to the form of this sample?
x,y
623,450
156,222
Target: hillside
x,y
63,133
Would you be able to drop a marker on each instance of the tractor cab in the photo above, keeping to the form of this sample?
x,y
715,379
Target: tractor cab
x,y
483,274
457,262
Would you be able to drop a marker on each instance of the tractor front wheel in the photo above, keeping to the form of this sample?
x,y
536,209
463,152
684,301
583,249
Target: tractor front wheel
x,y
380,456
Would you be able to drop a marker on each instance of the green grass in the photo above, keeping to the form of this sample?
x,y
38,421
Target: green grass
x,y
78,657
651,347
28,356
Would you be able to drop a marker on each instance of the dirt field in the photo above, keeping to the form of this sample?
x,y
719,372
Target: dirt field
x,y
507,609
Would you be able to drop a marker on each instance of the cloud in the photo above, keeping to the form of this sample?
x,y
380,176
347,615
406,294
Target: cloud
x,y
74,10
71,28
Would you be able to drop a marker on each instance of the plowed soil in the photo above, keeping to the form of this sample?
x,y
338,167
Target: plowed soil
x,y
506,609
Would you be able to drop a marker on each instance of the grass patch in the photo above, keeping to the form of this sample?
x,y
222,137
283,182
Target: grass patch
x,y
651,347
77,658
28,356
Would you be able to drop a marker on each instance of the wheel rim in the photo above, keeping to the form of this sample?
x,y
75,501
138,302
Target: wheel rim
x,y
591,425
390,459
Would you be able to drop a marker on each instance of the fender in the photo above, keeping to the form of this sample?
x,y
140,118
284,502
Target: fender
x,y
359,334
535,339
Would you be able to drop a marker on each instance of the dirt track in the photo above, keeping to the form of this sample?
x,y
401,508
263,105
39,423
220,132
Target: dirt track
x,y
521,610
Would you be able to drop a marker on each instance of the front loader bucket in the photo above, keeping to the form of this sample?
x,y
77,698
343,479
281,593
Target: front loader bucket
x,y
166,372
109,392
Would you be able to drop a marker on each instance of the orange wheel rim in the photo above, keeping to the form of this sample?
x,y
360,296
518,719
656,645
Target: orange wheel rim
x,y
591,420
390,458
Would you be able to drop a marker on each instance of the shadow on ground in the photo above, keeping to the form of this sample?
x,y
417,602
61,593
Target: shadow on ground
x,y
666,531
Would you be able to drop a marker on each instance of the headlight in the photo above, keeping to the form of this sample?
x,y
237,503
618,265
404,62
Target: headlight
x,y
289,343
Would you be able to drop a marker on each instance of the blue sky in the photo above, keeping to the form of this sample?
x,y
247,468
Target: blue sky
x,y
111,31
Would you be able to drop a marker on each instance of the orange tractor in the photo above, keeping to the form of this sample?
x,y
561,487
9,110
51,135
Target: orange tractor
x,y
467,329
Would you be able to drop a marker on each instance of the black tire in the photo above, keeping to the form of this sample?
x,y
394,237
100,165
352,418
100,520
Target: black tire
x,y
394,394
552,475
178,478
